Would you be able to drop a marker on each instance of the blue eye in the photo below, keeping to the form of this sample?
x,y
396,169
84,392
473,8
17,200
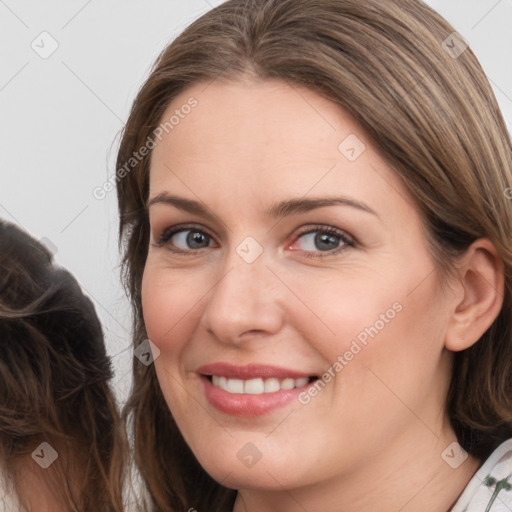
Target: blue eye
x,y
317,242
325,240
185,239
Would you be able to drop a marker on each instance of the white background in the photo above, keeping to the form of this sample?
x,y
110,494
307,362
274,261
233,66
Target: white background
x,y
59,118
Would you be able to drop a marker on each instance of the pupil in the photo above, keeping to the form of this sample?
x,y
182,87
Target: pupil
x,y
325,241
196,240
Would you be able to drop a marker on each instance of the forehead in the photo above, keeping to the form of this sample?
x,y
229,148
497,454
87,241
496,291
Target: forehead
x,y
267,138
256,119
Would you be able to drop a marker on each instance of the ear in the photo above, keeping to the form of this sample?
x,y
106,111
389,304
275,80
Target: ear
x,y
480,297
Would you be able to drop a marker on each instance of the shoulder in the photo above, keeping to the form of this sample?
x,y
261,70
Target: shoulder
x,y
8,501
490,489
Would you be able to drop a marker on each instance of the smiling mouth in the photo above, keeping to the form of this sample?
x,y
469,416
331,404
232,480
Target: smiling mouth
x,y
258,386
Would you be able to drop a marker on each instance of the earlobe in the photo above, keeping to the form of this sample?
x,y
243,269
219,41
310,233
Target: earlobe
x,y
482,280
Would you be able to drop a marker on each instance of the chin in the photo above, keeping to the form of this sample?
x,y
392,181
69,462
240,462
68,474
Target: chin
x,y
263,478
244,468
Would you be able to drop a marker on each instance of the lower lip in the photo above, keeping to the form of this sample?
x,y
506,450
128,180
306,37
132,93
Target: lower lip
x,y
247,405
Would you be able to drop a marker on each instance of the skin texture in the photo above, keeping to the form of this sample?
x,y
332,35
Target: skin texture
x,y
375,434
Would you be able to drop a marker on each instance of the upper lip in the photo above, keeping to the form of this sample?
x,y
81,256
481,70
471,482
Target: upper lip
x,y
250,371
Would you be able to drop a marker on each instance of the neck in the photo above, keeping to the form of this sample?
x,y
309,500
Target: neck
x,y
410,476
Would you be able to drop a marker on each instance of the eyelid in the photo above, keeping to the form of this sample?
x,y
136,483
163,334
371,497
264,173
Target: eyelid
x,y
327,229
348,240
170,231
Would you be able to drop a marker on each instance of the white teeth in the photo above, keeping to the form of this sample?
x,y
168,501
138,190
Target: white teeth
x,y
257,386
288,384
301,382
235,386
272,385
254,387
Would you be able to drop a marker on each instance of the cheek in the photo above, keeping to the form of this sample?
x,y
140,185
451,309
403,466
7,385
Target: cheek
x,y
401,349
346,306
383,320
167,305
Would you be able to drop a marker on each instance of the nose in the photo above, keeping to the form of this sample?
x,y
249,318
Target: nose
x,y
245,303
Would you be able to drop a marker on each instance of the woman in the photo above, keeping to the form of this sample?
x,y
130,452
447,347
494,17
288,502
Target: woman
x,y
61,448
312,197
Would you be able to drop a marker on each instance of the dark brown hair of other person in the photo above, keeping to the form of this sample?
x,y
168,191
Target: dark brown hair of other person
x,y
54,382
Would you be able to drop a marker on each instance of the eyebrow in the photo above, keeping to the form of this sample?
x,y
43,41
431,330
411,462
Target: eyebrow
x,y
277,210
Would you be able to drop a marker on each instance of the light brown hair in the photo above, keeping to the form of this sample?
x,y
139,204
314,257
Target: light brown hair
x,y
55,387
432,115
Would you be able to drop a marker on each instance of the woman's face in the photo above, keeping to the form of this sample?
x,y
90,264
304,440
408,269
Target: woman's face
x,y
290,291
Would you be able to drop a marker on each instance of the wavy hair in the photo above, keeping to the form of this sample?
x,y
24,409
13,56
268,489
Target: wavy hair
x,y
54,377
401,71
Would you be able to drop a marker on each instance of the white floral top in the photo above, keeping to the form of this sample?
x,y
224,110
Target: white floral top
x,y
490,489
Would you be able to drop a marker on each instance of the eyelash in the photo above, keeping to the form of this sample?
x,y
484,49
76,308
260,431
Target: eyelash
x,y
347,241
331,231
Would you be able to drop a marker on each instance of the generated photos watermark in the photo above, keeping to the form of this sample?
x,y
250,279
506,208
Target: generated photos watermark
x,y
356,346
